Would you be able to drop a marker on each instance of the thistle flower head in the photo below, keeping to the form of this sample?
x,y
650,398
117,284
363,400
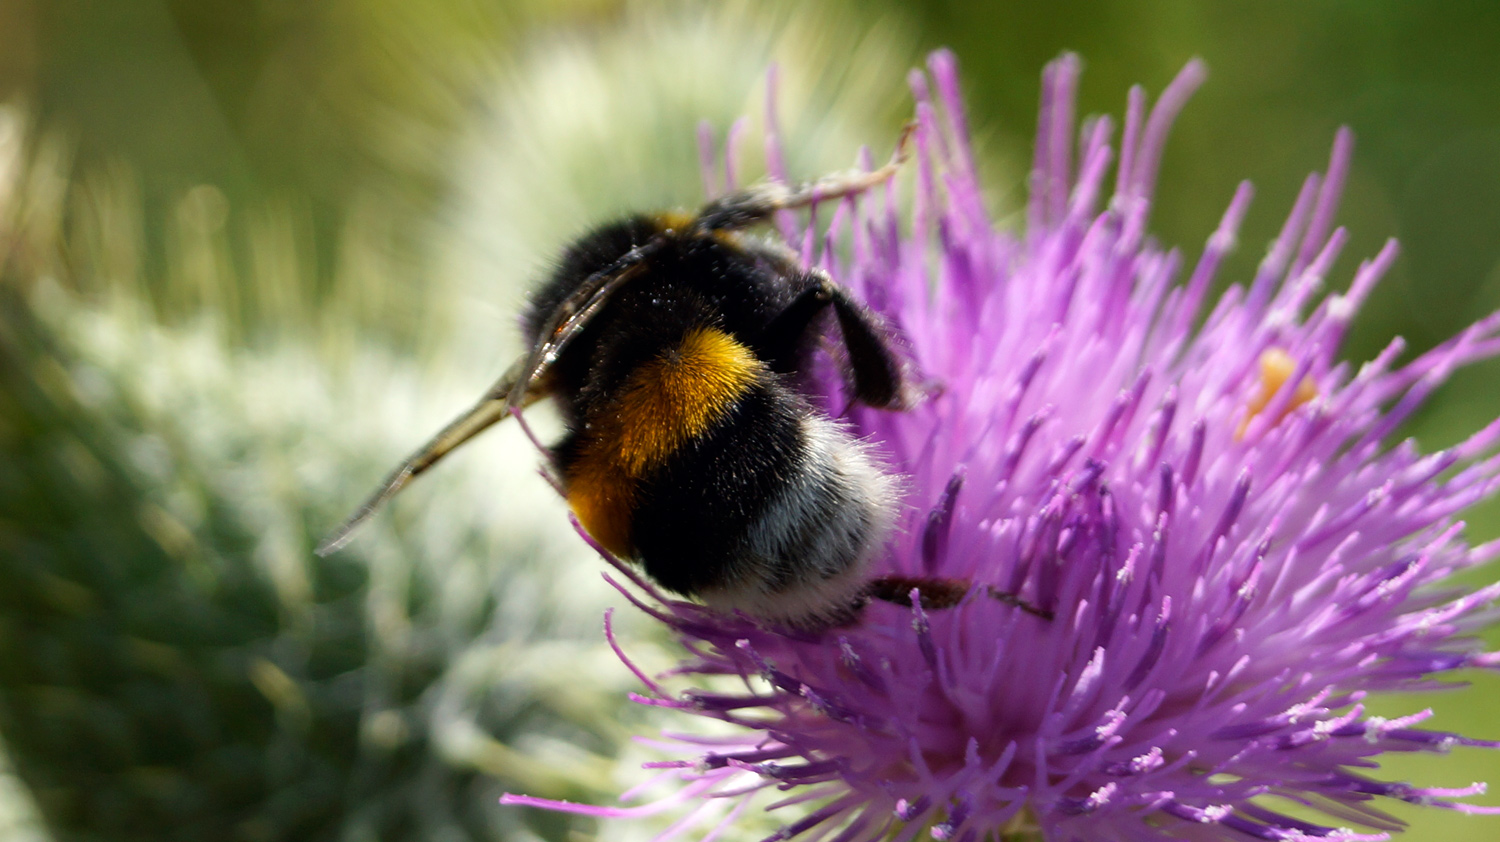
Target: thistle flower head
x,y
1200,491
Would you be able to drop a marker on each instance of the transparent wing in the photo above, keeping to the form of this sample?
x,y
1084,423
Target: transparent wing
x,y
490,409
572,316
515,390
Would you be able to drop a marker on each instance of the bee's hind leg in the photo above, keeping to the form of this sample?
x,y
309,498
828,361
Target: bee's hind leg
x,y
877,374
938,593
754,204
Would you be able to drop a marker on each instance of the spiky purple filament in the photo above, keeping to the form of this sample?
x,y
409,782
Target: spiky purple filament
x,y
1234,564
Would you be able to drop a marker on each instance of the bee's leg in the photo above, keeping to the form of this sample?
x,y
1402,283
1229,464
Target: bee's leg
x,y
1013,600
937,594
754,204
877,374
787,336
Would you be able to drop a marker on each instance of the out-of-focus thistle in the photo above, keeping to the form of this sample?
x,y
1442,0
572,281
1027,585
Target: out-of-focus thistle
x,y
174,661
585,125
1201,492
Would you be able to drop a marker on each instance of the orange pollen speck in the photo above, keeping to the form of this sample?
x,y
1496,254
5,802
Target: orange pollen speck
x,y
1276,368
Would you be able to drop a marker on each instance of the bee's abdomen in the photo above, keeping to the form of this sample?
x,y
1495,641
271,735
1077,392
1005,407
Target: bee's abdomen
x,y
777,512
726,485
694,514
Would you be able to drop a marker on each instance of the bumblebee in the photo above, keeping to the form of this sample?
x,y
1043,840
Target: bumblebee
x,y
677,348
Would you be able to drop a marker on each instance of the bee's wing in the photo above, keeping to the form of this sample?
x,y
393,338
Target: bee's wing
x,y
572,316
491,408
516,389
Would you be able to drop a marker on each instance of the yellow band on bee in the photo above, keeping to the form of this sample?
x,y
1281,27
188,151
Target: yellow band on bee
x,y
675,397
664,404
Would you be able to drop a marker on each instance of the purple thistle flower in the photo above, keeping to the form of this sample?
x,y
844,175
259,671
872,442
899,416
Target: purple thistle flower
x,y
1204,496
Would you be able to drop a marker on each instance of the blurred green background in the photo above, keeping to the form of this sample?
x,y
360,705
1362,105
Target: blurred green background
x,y
254,250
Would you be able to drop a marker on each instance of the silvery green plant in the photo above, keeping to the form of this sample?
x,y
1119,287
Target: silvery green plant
x,y
174,661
